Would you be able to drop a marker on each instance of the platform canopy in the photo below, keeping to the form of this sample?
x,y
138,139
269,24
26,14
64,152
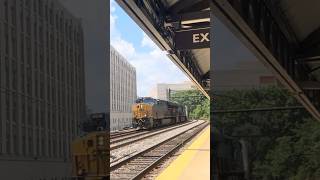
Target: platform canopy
x,y
285,36
182,29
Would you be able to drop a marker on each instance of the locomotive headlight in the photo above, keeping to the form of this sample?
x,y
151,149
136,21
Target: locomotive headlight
x,y
100,140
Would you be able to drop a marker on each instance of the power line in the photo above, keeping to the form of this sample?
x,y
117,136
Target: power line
x,y
185,96
259,109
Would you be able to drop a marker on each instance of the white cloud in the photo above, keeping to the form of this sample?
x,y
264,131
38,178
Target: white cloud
x,y
125,48
112,7
112,23
152,64
113,18
147,42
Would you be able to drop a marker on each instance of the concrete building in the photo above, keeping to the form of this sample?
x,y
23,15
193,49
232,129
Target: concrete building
x,y
245,75
42,94
241,79
123,91
162,91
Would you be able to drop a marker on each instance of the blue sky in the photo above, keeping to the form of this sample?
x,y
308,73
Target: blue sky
x,y
152,64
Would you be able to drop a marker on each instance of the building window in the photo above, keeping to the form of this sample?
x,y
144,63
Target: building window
x,y
14,75
23,111
40,9
51,15
30,143
24,152
15,142
8,145
7,40
28,25
8,107
42,145
14,107
6,12
13,14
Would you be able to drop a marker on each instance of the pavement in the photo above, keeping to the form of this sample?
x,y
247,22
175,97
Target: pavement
x,y
193,163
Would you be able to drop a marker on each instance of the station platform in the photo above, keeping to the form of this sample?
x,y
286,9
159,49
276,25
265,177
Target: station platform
x,y
194,161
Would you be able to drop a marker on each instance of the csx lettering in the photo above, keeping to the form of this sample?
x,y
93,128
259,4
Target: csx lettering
x,y
196,38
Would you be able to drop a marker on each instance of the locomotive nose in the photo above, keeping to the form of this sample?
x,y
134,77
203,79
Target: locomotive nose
x,y
140,122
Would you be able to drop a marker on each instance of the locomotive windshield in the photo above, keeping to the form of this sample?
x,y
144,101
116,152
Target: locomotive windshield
x,y
140,100
146,100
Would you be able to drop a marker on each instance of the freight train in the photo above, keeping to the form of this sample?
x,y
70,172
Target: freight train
x,y
151,113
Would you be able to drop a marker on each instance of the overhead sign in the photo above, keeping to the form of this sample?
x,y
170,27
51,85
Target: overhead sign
x,y
192,39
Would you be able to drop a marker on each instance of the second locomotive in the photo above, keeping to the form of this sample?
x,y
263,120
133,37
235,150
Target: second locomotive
x,y
150,113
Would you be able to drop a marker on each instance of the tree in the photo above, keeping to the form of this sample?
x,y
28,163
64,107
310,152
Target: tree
x,y
282,144
198,106
294,156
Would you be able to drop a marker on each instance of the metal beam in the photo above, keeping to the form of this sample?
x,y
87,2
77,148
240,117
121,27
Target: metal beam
x,y
200,25
190,18
256,25
308,59
258,109
312,41
310,85
198,7
206,75
179,6
313,70
277,14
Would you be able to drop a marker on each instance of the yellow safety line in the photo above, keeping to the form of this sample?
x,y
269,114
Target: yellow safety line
x,y
174,170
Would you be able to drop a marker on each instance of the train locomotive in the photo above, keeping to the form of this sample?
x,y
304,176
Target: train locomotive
x,y
91,152
151,113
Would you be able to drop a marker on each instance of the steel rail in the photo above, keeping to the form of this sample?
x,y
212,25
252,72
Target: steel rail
x,y
137,134
145,136
123,133
151,155
116,164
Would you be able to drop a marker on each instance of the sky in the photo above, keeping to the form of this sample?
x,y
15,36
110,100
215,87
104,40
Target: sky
x,y
152,65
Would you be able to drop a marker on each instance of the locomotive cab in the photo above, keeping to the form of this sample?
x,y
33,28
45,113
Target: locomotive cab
x,y
142,112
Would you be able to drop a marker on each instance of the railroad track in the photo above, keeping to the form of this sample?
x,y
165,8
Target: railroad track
x,y
127,136
123,133
137,166
116,143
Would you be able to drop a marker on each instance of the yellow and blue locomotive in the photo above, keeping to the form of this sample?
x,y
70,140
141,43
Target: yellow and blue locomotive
x,y
91,152
150,113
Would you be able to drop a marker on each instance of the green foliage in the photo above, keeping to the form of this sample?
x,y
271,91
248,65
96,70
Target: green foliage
x,y
198,106
297,156
282,144
263,123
